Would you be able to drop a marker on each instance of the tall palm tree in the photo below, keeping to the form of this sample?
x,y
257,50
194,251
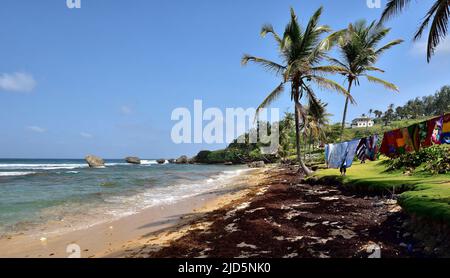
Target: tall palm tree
x,y
359,49
301,51
438,14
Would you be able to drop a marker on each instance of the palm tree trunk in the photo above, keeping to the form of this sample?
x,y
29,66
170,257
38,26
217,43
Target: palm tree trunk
x,y
350,82
303,167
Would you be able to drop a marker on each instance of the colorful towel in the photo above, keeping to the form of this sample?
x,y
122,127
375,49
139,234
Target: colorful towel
x,y
445,135
393,143
367,148
372,147
342,153
433,132
414,134
361,149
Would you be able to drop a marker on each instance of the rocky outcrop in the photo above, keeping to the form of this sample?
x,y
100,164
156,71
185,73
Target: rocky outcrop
x,y
182,160
161,161
133,160
94,161
257,164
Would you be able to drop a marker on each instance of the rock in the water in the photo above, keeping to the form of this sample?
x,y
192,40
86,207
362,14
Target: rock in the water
x,y
228,163
171,160
94,161
256,164
133,160
182,160
161,161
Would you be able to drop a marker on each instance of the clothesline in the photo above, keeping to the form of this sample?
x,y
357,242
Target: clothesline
x,y
396,142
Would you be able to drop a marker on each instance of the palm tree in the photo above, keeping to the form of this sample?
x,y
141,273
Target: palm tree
x,y
286,128
377,113
301,51
318,119
438,14
360,52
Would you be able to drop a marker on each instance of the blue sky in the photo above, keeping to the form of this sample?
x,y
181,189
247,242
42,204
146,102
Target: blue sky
x,y
105,78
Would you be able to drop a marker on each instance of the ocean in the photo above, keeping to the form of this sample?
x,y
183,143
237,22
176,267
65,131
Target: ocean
x,y
59,194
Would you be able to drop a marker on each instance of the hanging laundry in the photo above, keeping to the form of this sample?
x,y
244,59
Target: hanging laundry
x,y
414,135
341,154
361,149
367,148
408,142
433,132
445,136
372,147
393,143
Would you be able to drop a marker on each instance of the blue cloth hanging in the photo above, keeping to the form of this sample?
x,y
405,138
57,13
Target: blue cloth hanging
x,y
341,154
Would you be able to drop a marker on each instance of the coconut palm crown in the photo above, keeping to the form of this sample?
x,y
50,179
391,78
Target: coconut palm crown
x,y
301,51
358,47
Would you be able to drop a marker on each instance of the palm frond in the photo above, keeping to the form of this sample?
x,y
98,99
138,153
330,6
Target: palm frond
x,y
268,29
388,46
393,7
331,85
439,27
267,64
329,69
426,21
337,62
271,97
372,68
386,84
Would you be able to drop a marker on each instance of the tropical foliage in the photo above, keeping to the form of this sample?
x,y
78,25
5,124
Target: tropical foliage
x,y
418,108
301,50
434,160
358,47
437,15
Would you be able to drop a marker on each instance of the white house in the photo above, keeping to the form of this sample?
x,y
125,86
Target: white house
x,y
362,122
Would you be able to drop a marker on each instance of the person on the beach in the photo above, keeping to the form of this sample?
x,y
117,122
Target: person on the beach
x,y
343,168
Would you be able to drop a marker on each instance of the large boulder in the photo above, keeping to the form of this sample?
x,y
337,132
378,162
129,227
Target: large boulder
x,y
161,161
182,160
94,161
257,164
191,160
171,160
133,160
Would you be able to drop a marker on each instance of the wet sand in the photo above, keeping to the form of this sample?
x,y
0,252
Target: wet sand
x,y
112,239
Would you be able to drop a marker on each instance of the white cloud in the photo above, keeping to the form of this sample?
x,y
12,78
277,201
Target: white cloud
x,y
86,135
17,82
37,129
126,110
420,47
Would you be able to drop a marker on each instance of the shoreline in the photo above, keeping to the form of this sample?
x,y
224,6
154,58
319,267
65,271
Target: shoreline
x,y
116,236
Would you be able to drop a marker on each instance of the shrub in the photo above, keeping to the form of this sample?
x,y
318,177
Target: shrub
x,y
435,160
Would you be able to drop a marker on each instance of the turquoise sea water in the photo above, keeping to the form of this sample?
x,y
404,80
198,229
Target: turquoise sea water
x,y
41,191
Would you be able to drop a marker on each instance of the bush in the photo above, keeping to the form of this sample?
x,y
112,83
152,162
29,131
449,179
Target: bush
x,y
202,157
435,160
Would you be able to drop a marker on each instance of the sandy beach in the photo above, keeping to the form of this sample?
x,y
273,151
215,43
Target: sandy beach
x,y
157,225
265,213
285,218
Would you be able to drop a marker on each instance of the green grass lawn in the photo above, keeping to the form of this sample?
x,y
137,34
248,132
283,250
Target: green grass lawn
x,y
423,195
